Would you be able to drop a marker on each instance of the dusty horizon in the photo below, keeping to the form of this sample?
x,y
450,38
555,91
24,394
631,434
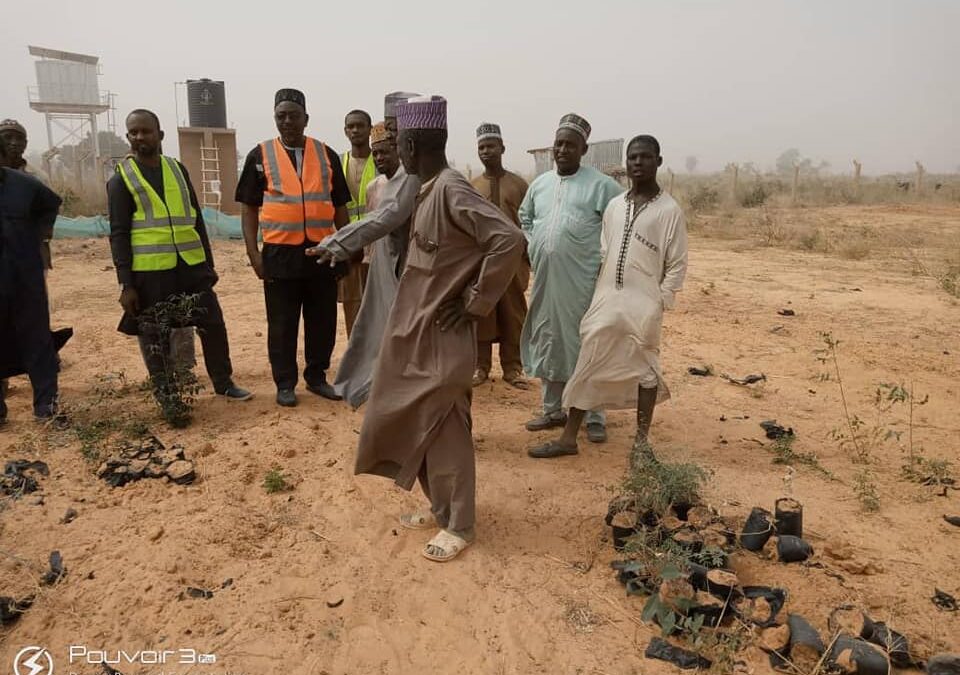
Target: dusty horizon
x,y
741,82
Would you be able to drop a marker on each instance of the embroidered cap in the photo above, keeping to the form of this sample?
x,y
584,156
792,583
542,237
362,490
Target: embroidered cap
x,y
489,130
423,112
12,125
292,95
379,133
391,100
576,123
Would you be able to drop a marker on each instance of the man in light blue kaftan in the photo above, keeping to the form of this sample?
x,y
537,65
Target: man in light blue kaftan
x,y
561,217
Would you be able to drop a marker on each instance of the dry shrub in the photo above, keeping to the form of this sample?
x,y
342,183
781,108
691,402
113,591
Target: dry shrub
x,y
854,249
769,230
81,203
703,198
813,239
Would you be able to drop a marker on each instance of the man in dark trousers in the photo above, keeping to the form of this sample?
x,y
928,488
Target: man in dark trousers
x,y
28,210
294,192
160,249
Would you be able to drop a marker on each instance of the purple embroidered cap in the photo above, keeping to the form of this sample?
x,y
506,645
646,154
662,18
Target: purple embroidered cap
x,y
423,112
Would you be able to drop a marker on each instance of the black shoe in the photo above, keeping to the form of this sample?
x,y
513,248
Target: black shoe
x,y
235,393
596,433
286,397
552,449
325,390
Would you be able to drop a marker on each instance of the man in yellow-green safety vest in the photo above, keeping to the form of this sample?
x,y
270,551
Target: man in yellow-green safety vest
x,y
160,249
359,170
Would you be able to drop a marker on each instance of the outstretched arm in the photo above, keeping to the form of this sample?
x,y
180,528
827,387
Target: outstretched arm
x,y
395,209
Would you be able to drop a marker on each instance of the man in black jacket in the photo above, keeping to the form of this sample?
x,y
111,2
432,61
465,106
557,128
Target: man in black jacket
x,y
143,289
28,209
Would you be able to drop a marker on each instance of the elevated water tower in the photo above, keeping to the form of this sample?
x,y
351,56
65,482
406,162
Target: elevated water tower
x,y
68,94
207,147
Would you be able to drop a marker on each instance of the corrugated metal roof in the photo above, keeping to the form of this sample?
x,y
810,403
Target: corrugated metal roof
x,y
601,155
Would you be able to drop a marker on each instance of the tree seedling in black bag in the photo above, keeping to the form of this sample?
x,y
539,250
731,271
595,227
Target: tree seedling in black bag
x,y
787,549
788,517
806,647
761,605
944,664
853,656
757,529
11,609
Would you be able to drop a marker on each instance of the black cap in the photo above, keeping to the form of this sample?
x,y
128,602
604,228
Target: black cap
x,y
292,95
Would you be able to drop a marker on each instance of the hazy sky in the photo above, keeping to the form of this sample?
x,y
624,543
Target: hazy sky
x,y
733,80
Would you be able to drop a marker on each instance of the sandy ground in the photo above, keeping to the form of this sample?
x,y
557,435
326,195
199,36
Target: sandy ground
x,y
536,594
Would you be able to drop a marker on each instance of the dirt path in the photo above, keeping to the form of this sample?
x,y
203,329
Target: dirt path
x,y
535,595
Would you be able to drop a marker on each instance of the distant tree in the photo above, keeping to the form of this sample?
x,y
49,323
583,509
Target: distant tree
x,y
789,159
692,163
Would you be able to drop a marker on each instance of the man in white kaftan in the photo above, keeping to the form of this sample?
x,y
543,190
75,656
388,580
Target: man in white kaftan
x,y
644,249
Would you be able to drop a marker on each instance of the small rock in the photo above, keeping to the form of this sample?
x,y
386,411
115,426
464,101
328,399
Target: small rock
x,y
207,450
37,501
868,568
172,567
838,551
69,516
138,466
155,533
199,593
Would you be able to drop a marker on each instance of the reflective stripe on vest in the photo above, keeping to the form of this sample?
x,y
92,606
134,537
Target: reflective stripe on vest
x,y
357,206
162,227
295,207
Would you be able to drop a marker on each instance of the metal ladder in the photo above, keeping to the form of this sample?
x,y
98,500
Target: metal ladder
x,y
210,184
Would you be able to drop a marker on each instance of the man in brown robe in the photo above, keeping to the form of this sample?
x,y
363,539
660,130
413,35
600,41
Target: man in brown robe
x,y
505,323
463,254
